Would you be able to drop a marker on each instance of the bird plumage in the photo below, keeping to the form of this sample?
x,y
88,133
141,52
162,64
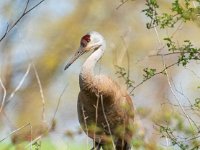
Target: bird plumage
x,y
105,110
103,94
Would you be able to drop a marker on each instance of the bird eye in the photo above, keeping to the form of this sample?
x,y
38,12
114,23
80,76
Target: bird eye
x,y
85,40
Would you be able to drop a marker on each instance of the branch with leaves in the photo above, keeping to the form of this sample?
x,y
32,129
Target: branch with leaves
x,y
148,74
179,12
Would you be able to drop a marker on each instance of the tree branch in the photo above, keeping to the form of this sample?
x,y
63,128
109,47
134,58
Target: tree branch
x,y
25,12
160,72
4,95
122,3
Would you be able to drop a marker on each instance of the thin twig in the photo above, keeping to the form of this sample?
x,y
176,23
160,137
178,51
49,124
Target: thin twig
x,y
193,72
59,100
96,117
20,83
157,35
41,92
25,12
177,29
128,60
18,129
104,114
35,6
160,72
31,128
85,123
181,93
175,105
4,95
26,6
160,44
6,32
9,122
39,84
173,92
171,53
169,82
33,141
122,3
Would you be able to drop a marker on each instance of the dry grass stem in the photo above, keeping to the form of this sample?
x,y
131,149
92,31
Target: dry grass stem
x,y
4,95
41,92
85,123
58,103
16,130
104,114
96,118
174,93
33,141
122,3
20,83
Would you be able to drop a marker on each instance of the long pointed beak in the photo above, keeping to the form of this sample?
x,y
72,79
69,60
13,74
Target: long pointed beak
x,y
75,57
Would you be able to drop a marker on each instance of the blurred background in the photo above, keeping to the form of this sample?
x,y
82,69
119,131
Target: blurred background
x,y
33,55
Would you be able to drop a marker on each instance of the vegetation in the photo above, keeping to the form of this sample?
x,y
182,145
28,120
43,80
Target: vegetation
x,y
38,99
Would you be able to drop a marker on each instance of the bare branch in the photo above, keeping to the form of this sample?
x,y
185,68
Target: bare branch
x,y
128,60
157,35
41,91
31,128
26,6
173,92
7,100
170,84
59,100
18,129
182,94
33,141
25,12
9,122
193,72
104,114
122,3
40,86
160,72
96,117
20,83
85,123
6,32
4,95
35,6
177,29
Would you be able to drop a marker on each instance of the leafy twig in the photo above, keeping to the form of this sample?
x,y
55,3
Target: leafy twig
x,y
178,13
154,74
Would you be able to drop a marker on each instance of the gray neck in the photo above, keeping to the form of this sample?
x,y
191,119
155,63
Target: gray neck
x,y
87,71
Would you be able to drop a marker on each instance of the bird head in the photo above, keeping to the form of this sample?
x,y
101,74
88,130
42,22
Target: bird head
x,y
89,42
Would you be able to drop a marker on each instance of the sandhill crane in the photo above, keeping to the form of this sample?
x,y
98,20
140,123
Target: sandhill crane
x,y
105,110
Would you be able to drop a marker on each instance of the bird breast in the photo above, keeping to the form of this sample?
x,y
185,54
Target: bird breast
x,y
102,102
98,85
